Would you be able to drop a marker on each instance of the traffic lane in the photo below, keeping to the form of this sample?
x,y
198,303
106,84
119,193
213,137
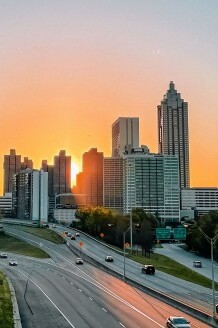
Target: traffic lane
x,y
115,284
35,310
82,303
155,310
185,291
167,284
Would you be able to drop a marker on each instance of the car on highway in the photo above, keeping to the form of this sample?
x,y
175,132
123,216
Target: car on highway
x,y
77,234
73,237
3,255
109,259
65,232
197,264
13,263
148,269
69,234
79,260
177,322
54,226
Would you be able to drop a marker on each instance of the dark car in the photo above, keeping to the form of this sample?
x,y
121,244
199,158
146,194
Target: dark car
x,y
79,260
72,237
148,269
109,259
177,322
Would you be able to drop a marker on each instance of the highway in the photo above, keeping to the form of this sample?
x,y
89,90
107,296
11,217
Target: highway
x,y
61,294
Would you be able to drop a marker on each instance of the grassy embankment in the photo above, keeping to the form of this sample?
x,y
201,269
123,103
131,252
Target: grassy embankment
x,y
43,233
6,310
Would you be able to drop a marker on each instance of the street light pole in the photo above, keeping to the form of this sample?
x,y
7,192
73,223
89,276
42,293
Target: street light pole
x,y
212,242
124,254
130,202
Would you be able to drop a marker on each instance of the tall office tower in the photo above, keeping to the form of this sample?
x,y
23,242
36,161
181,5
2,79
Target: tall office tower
x,y
30,195
50,169
26,164
173,136
12,165
113,183
62,173
151,182
92,178
125,135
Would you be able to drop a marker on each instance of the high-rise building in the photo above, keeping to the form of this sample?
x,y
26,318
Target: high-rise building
x,y
125,134
173,138
12,165
151,182
113,183
62,173
26,164
50,169
92,177
30,195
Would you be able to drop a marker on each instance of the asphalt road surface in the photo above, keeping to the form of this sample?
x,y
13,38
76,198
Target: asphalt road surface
x,y
57,293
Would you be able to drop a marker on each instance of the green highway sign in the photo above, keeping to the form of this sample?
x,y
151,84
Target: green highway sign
x,y
179,233
163,233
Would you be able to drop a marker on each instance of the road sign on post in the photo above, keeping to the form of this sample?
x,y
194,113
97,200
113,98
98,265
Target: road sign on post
x,y
163,233
179,233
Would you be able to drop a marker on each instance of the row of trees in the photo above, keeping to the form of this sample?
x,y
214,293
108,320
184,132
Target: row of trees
x,y
98,221
195,238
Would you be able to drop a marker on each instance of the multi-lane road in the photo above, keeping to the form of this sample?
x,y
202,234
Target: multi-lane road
x,y
58,293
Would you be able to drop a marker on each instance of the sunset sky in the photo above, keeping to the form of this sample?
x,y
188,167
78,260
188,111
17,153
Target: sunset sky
x,y
70,68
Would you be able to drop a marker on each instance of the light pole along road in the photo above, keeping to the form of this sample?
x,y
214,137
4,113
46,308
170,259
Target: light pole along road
x,y
62,294
212,243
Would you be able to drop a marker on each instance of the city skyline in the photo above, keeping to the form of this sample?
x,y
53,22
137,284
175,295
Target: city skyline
x,y
69,70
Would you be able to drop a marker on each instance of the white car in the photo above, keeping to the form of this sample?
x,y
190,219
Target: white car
x,y
13,263
79,260
3,255
177,322
77,234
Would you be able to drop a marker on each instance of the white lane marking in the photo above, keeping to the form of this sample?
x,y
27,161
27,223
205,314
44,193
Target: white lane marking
x,y
63,277
121,324
104,310
98,285
71,283
90,298
47,298
80,290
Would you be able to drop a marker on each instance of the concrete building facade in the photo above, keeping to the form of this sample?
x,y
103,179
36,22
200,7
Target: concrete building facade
x,y
30,195
113,183
201,200
62,173
125,134
92,177
12,165
151,182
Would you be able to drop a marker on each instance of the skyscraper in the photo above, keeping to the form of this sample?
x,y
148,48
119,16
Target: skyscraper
x,y
173,136
62,173
12,165
125,134
92,177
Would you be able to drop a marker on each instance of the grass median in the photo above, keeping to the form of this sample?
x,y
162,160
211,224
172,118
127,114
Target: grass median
x,y
44,233
18,246
6,310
